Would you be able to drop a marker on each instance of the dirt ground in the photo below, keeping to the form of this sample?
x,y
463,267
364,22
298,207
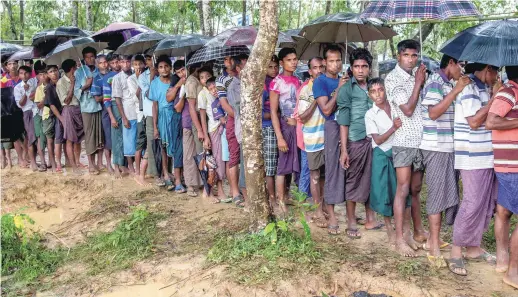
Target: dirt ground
x,y
69,208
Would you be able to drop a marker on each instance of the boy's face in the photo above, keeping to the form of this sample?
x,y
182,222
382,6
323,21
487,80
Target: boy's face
x,y
42,77
212,89
12,66
53,73
102,64
138,65
164,69
377,94
180,72
204,76
24,75
273,69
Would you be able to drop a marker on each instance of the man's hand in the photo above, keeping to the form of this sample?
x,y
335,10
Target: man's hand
x,y
283,146
126,123
201,137
343,80
115,124
223,120
138,72
344,159
397,123
62,120
181,82
26,87
462,83
88,82
420,75
207,144
72,80
156,134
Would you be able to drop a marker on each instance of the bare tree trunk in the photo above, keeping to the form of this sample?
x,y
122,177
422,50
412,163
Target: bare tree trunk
x,y
385,50
300,14
328,7
75,12
9,8
22,21
289,14
199,5
426,29
183,17
207,18
375,64
133,12
89,16
252,79
392,48
243,21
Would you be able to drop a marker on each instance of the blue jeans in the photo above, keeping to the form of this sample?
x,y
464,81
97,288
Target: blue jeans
x,y
304,177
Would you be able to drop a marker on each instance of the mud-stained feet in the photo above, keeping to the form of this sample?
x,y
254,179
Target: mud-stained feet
x,y
404,249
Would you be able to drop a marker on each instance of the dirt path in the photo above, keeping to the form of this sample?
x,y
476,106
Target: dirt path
x,y
73,207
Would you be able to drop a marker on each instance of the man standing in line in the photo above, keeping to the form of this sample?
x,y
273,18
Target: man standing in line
x,y
51,117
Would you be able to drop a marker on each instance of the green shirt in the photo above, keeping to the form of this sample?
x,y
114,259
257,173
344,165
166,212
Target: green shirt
x,y
353,102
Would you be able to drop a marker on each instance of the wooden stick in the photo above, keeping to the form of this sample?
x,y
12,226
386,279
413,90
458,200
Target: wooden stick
x,y
64,243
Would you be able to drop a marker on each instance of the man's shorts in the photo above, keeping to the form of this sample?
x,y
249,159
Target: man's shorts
x,y
407,157
48,126
316,160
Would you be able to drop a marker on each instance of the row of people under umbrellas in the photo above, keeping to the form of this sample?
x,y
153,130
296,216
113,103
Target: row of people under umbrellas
x,y
494,43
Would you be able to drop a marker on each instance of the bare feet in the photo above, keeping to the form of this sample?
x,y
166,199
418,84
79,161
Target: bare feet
x,y
410,241
110,170
404,249
77,171
502,261
511,280
141,181
421,236
117,174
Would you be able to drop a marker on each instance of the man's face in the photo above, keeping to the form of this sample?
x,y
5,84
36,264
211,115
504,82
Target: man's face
x,y
316,68
125,65
138,65
89,59
360,69
12,66
407,59
181,72
102,64
149,62
377,94
114,65
273,69
228,62
204,76
164,69
53,73
333,62
24,75
491,75
212,89
42,77
289,63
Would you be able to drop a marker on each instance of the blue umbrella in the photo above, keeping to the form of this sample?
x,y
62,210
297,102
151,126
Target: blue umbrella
x,y
493,43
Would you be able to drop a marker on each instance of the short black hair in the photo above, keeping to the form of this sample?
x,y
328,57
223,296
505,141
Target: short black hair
x,y
408,44
314,58
89,49
360,54
206,69
40,67
472,67
139,58
512,72
236,60
125,57
332,47
375,81
285,51
211,81
163,58
275,59
67,65
26,68
49,67
112,56
445,60
178,64
29,60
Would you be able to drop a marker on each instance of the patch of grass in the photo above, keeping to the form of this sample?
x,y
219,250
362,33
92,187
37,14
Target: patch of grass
x,y
132,240
411,268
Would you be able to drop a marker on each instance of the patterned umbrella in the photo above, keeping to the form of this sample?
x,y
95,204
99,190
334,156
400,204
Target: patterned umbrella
x,y
7,49
72,50
23,54
140,43
242,35
180,45
217,53
46,40
117,33
494,43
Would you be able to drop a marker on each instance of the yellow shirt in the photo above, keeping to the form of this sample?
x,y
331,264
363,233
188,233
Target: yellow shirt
x,y
39,96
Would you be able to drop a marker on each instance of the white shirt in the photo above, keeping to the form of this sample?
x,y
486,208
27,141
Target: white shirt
x,y
378,122
19,91
133,87
205,100
121,90
400,85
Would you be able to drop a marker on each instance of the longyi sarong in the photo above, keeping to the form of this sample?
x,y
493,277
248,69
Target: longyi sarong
x,y
117,140
165,128
28,124
94,137
442,183
476,208
233,145
358,175
190,170
508,191
73,124
334,186
107,128
289,161
217,151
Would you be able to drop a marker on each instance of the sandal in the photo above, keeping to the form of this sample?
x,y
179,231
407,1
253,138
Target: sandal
x,y
457,263
160,182
436,262
378,227
353,233
443,246
484,257
227,200
192,193
360,221
333,230
169,185
180,189
239,201
42,168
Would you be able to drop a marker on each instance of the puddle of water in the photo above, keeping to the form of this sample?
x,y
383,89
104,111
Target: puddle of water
x,y
152,289
44,220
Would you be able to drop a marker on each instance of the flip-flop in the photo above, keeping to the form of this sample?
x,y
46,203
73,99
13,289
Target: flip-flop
x,y
333,230
436,262
180,189
239,201
160,182
442,247
378,227
360,221
454,263
226,200
484,257
349,230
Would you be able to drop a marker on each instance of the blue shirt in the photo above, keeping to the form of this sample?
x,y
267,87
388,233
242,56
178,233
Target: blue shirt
x,y
107,88
158,91
325,86
143,83
86,99
97,85
266,101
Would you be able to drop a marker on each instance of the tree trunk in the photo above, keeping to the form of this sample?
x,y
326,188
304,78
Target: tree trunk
x,y
300,14
392,48
243,21
89,16
22,21
252,78
375,64
328,7
289,14
9,8
133,12
426,29
385,45
199,5
75,12
207,18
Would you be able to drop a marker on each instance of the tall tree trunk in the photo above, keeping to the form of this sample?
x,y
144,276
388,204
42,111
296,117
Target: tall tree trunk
x,y
22,21
289,14
375,62
243,16
75,12
207,18
183,17
392,48
252,78
199,5
426,29
328,7
133,12
385,47
89,16
9,8
300,14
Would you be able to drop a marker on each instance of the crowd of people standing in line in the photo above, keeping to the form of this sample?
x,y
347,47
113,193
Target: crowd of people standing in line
x,y
341,136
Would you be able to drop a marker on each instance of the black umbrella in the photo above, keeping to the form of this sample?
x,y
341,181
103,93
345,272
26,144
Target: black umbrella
x,y
117,33
180,45
388,65
72,50
23,54
7,49
140,43
493,43
46,40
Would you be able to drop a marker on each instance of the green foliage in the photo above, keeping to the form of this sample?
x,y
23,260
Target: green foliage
x,y
132,240
23,255
411,268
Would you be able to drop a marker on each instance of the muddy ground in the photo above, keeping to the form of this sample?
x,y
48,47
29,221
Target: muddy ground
x,y
70,207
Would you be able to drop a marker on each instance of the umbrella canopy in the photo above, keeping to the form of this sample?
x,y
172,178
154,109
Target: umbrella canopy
x,y
419,9
388,65
216,53
7,49
241,35
345,27
23,54
46,40
72,49
307,50
494,43
117,33
140,43
180,45
286,40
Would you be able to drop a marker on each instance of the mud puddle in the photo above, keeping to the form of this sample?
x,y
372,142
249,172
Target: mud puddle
x,y
46,220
